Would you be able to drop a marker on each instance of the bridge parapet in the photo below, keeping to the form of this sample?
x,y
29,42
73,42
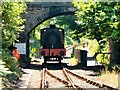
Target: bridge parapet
x,y
49,4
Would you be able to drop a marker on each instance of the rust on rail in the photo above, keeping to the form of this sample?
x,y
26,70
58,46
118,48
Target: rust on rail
x,y
68,78
91,81
64,81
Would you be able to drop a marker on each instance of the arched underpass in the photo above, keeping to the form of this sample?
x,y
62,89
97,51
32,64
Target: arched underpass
x,y
37,13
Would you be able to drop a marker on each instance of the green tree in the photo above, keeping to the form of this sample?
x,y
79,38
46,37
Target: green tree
x,y
101,18
69,21
35,35
11,21
11,24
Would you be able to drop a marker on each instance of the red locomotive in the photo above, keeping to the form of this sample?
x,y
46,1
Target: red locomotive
x,y
52,43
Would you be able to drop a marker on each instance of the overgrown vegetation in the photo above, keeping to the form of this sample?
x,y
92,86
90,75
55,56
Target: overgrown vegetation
x,y
11,24
69,41
3,72
10,62
101,20
73,60
93,45
10,68
110,74
103,58
11,21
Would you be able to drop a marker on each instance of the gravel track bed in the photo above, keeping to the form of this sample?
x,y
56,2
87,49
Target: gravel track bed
x,y
58,73
53,83
81,83
35,77
87,73
34,81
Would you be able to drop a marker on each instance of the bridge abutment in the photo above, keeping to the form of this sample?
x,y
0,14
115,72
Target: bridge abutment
x,y
24,58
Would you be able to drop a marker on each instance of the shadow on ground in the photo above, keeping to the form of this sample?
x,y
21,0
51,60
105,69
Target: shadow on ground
x,y
57,66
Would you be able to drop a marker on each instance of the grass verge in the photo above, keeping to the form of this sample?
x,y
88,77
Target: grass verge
x,y
110,75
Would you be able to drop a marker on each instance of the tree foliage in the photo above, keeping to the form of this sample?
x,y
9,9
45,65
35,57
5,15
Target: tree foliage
x,y
11,25
101,18
11,21
76,31
36,36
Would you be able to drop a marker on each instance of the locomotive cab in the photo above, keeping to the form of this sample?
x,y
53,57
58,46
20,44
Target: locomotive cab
x,y
52,42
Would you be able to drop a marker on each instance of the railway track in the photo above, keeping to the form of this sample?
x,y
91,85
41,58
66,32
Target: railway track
x,y
97,84
69,80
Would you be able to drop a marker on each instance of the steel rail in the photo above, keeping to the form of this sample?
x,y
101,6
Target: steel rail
x,y
91,81
59,79
63,81
44,83
43,79
69,79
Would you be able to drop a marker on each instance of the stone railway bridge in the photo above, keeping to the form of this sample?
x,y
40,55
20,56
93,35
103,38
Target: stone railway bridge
x,y
38,12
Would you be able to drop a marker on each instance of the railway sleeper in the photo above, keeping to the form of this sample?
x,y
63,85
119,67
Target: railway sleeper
x,y
85,79
68,84
46,84
100,85
61,80
68,78
109,87
71,82
81,77
94,83
77,87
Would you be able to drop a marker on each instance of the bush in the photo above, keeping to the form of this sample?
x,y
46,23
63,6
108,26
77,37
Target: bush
x,y
10,62
10,67
3,73
69,41
103,58
93,45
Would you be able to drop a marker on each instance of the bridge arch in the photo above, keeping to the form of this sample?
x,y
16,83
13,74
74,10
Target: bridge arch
x,y
36,17
38,13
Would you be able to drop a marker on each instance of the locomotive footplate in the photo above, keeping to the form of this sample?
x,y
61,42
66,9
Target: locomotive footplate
x,y
50,58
